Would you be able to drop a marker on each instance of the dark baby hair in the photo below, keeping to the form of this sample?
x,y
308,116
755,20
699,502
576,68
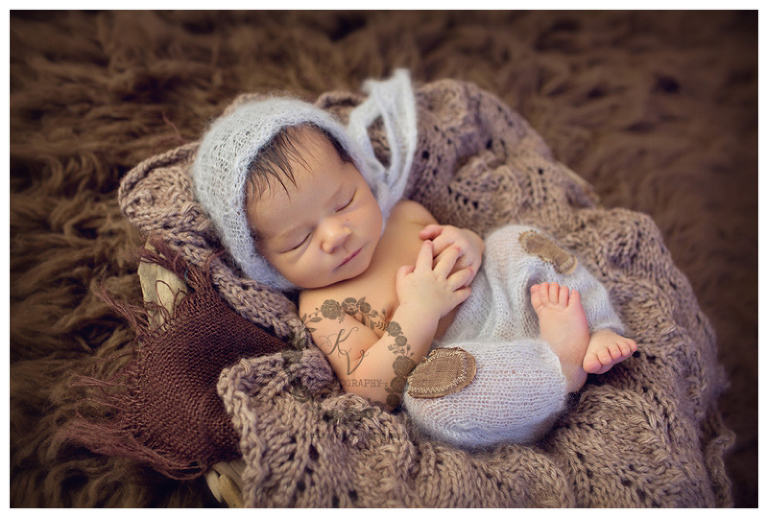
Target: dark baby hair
x,y
274,159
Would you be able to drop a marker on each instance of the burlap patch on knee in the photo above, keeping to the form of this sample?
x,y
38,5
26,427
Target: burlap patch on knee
x,y
443,372
548,251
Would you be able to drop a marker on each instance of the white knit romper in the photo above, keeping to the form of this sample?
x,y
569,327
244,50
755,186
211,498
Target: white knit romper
x,y
519,387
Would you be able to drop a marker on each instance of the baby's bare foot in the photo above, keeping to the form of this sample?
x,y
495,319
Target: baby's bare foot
x,y
605,350
563,325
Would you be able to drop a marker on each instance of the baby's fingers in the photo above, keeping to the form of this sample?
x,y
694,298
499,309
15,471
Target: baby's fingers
x,y
446,249
461,295
424,259
430,232
402,272
446,261
461,278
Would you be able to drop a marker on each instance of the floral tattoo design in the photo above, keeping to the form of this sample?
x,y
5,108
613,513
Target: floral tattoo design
x,y
364,313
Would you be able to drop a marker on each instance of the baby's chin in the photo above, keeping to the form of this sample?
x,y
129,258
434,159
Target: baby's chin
x,y
315,285
348,272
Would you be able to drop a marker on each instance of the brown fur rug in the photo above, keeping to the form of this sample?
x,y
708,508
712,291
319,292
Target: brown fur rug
x,y
657,110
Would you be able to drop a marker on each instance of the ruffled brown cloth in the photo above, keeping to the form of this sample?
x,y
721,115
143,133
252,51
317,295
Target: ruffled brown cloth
x,y
167,413
647,433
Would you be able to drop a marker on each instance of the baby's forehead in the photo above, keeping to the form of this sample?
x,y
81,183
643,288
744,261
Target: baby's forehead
x,y
271,211
307,153
274,161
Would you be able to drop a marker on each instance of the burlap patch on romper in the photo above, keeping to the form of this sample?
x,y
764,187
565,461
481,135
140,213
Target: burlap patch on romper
x,y
548,251
443,372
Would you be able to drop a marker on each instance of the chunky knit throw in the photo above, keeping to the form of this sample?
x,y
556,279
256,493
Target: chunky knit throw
x,y
647,433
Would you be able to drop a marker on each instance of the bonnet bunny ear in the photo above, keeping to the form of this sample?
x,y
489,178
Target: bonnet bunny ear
x,y
392,100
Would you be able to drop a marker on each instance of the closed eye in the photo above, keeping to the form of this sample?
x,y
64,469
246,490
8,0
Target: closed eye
x,y
300,243
348,203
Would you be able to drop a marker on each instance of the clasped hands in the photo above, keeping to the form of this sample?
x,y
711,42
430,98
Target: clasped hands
x,y
469,245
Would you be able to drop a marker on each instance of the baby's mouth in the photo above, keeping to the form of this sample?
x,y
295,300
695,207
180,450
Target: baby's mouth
x,y
350,257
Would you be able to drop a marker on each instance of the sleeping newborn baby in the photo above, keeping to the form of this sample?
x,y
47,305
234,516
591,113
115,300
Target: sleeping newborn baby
x,y
298,204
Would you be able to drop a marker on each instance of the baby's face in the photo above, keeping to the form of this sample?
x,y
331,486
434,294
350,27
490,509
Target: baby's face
x,y
326,228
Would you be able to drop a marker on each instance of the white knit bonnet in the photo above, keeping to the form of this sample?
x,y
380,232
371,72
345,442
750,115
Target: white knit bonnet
x,y
220,169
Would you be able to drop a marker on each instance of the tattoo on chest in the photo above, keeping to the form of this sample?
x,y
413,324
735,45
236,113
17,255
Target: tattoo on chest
x,y
363,313
360,309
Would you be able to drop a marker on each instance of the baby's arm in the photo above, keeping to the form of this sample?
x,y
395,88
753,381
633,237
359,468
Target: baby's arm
x,y
375,368
470,245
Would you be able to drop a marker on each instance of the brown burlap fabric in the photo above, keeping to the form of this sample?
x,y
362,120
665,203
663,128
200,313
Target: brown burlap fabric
x,y
647,433
166,410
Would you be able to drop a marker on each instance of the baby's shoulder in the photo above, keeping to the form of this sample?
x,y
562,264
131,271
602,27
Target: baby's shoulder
x,y
412,212
318,300
311,300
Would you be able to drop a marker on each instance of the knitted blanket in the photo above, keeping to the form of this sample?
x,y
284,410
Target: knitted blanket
x,y
647,433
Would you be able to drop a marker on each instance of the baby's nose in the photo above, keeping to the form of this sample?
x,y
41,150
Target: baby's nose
x,y
336,235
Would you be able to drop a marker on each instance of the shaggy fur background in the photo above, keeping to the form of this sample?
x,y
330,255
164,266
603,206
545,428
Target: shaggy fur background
x,y
657,110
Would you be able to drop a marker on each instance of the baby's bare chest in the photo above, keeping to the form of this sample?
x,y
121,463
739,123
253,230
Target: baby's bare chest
x,y
371,298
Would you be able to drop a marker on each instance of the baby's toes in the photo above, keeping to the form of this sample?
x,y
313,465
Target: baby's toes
x,y
592,363
619,351
627,347
554,292
606,355
536,296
